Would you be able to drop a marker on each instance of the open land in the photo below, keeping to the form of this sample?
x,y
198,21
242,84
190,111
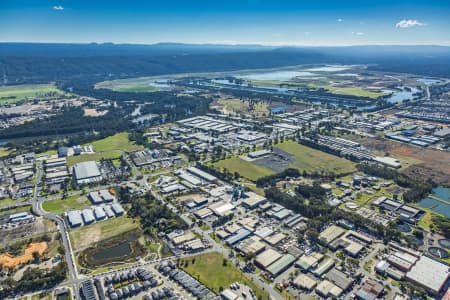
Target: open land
x,y
13,94
210,270
58,206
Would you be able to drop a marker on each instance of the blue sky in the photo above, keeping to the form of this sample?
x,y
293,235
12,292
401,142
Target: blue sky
x,y
269,22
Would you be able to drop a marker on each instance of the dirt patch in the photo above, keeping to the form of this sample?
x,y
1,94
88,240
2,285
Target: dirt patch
x,y
10,262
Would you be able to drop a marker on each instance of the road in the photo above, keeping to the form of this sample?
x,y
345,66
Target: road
x,y
38,210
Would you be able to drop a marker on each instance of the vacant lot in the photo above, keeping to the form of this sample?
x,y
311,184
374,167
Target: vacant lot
x,y
87,235
210,270
9,261
58,206
244,168
237,106
420,163
312,160
107,148
12,94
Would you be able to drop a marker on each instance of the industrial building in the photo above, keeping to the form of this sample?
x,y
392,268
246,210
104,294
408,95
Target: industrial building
x,y
117,209
266,258
86,172
328,289
429,274
99,213
74,218
281,265
88,216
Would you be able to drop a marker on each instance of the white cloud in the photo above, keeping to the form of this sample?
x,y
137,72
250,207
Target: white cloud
x,y
339,20
58,7
409,23
358,33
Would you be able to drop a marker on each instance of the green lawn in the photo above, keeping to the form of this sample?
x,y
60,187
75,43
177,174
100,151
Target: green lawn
x,y
209,269
58,206
244,168
13,94
107,148
6,201
4,151
103,230
310,160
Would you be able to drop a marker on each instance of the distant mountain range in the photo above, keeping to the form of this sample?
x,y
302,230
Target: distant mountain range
x,y
36,62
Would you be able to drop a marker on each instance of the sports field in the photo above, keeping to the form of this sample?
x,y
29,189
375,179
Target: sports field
x,y
210,270
101,231
312,160
16,93
58,206
244,168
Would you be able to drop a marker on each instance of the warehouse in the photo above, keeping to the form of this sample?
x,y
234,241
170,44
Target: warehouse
x,y
307,262
74,218
203,175
330,234
190,179
252,200
328,289
267,258
237,237
281,265
275,239
117,209
259,154
95,198
222,208
88,216
340,279
99,213
86,172
305,282
264,232
252,245
429,273
203,213
109,212
323,267
370,290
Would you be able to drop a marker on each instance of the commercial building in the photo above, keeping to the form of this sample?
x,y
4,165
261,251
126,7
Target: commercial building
x,y
429,273
86,172
370,290
117,209
237,237
99,213
252,200
330,234
201,174
339,279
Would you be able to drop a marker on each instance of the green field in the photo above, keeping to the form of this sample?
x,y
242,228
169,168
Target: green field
x,y
13,94
244,168
5,151
312,160
136,85
6,201
209,269
87,235
352,91
108,148
58,206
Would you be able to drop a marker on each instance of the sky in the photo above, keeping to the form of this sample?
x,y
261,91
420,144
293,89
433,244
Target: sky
x,y
265,22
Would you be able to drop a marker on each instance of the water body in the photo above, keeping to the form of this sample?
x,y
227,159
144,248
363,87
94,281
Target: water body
x,y
403,94
277,75
428,81
441,207
120,250
329,69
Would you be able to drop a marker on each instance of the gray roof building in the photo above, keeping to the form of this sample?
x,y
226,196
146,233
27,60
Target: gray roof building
x,y
86,172
74,218
88,215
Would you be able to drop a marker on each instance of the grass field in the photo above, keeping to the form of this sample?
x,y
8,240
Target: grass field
x,y
58,206
238,106
87,235
244,168
209,269
5,151
136,85
13,94
352,91
6,201
310,160
108,148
